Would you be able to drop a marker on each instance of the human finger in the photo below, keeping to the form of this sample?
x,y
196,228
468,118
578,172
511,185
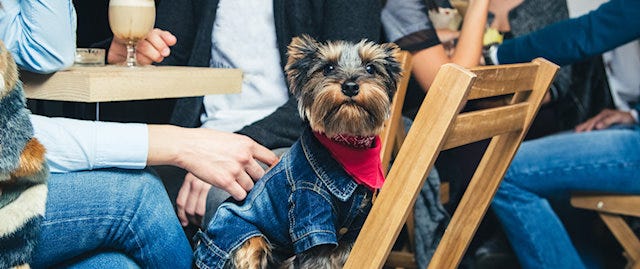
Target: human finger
x,y
245,181
264,155
201,207
143,59
161,40
181,201
254,170
147,49
235,190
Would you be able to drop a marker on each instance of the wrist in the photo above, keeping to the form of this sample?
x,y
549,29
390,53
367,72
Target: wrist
x,y
164,145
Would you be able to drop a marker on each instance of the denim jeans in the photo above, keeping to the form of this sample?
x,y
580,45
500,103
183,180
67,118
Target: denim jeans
x,y
549,169
103,217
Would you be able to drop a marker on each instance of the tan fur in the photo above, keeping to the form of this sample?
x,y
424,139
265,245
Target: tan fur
x,y
253,254
24,266
8,71
31,159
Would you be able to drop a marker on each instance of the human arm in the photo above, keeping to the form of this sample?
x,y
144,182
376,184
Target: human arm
x,y
614,23
227,161
41,34
407,24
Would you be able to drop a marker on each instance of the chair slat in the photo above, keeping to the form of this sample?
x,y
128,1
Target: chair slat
x,y
496,81
627,238
610,203
394,124
494,121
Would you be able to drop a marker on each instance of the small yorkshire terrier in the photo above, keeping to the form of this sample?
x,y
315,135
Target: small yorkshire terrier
x,y
307,211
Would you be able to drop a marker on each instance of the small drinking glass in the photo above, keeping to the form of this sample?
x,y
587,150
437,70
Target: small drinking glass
x,y
131,21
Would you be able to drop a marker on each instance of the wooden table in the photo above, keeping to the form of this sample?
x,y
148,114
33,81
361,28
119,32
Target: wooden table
x,y
117,83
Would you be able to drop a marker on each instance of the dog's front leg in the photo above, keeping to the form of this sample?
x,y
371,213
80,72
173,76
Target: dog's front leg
x,y
253,254
322,257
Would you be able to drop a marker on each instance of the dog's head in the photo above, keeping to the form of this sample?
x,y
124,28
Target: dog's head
x,y
8,71
343,87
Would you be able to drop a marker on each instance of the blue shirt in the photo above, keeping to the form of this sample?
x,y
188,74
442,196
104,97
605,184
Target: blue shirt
x,y
306,200
39,33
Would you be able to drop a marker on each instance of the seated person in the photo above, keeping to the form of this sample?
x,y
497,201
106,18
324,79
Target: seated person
x,y
600,155
103,207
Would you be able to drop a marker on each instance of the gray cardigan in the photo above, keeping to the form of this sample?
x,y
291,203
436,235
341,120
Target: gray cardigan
x,y
192,22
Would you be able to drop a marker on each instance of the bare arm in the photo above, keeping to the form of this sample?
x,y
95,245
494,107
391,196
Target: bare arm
x,y
225,160
427,62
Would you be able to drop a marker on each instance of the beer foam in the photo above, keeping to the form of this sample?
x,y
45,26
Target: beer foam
x,y
132,3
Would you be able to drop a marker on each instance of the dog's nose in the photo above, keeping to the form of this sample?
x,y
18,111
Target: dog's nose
x,y
350,88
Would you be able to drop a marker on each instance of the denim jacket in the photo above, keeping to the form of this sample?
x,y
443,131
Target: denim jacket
x,y
306,200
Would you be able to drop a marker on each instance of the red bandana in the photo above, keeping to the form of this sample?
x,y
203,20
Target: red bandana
x,y
362,163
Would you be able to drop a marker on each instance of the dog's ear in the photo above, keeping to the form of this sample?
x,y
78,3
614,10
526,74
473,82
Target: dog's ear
x,y
391,65
301,52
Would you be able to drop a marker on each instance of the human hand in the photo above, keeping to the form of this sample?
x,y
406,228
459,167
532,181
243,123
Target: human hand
x,y
153,48
225,160
192,200
604,119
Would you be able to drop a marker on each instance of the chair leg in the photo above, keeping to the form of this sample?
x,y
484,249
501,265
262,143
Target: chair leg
x,y
623,233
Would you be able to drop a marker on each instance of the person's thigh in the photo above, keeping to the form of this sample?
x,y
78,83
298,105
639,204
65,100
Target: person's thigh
x,y
553,166
107,259
123,210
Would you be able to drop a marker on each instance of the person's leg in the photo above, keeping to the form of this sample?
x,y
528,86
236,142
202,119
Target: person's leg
x,y
114,209
106,259
552,168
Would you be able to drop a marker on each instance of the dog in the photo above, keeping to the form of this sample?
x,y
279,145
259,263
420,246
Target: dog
x,y
308,209
23,171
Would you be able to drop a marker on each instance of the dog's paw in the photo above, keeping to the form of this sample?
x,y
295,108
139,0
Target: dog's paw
x,y
253,254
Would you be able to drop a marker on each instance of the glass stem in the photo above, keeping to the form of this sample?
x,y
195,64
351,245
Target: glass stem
x,y
131,54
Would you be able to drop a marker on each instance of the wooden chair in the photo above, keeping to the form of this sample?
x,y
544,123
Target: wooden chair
x,y
612,208
393,134
439,125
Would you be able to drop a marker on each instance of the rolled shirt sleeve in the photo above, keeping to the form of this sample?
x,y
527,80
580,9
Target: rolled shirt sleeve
x,y
41,34
74,145
406,23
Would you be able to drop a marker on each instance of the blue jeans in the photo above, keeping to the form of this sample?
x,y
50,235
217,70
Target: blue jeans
x,y
105,217
549,169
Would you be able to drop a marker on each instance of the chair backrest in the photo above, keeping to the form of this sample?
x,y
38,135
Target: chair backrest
x,y
393,133
439,125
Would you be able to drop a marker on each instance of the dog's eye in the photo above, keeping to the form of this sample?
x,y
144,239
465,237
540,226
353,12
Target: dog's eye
x,y
370,69
328,69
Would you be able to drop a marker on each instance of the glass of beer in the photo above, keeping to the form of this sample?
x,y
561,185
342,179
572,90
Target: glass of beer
x,y
131,21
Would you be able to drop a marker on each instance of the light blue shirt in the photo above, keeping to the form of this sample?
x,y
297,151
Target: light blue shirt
x,y
39,33
74,145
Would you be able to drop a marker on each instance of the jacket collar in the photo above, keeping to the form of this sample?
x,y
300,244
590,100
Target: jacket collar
x,y
326,168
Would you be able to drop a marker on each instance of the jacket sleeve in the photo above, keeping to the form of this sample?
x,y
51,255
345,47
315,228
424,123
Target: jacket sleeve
x,y
614,23
407,24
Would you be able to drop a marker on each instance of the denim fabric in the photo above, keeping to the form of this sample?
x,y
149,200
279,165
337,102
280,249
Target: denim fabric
x,y
548,170
111,210
306,200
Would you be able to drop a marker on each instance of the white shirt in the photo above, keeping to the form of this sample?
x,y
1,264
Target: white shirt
x,y
244,37
74,145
